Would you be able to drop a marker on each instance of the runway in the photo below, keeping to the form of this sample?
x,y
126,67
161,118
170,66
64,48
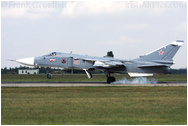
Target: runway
x,y
77,84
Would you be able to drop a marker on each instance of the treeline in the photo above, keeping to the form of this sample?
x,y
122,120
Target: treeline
x,y
44,70
178,71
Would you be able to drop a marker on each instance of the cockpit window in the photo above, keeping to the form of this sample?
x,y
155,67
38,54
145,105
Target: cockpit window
x,y
52,54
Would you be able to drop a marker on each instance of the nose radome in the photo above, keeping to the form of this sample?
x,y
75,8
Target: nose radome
x,y
26,61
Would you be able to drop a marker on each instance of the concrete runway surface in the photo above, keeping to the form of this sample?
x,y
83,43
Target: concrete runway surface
x,y
76,84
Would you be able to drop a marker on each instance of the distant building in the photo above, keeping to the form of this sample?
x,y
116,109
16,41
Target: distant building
x,y
28,71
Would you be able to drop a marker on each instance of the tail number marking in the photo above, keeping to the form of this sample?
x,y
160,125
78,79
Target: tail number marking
x,y
77,62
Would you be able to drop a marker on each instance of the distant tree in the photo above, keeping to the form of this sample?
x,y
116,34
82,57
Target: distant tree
x,y
42,70
178,71
4,71
16,69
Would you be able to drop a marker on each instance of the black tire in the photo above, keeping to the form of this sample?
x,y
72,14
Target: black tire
x,y
111,79
49,76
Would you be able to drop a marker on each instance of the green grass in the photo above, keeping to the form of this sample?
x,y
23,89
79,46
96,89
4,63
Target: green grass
x,y
94,105
81,78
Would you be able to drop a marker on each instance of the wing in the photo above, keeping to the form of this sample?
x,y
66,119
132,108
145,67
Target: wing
x,y
106,62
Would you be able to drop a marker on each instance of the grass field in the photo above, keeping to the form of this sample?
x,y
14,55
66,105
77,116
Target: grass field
x,y
81,78
94,105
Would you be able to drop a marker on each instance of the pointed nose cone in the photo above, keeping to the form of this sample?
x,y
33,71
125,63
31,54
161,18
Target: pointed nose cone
x,y
26,61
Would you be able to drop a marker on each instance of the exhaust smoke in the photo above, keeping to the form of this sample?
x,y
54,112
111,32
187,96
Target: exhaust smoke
x,y
138,80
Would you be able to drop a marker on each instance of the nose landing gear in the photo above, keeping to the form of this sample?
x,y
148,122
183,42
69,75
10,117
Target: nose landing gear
x,y
49,75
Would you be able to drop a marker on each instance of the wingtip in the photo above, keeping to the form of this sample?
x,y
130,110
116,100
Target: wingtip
x,y
177,43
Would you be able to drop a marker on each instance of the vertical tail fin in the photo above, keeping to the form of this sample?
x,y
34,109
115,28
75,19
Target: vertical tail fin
x,y
164,53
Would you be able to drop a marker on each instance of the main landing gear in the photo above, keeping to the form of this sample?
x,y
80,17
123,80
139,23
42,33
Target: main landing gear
x,y
110,79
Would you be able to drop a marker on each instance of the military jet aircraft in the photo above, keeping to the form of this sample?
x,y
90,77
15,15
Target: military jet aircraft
x,y
155,62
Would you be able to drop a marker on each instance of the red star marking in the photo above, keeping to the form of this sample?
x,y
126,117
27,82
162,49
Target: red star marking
x,y
63,61
51,60
161,52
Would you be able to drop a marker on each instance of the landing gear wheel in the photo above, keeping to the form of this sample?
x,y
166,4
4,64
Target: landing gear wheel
x,y
111,79
49,76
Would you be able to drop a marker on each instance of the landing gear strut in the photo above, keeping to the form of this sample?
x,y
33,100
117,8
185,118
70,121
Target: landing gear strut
x,y
110,79
49,75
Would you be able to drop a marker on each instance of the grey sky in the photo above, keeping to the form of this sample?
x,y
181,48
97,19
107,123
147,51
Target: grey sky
x,y
129,29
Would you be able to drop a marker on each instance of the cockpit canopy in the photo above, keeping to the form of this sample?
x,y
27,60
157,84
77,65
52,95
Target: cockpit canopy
x,y
52,54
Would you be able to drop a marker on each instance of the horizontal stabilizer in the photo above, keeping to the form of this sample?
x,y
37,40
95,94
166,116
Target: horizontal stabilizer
x,y
155,65
164,61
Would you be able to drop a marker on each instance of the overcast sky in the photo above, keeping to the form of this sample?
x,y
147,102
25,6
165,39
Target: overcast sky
x,y
129,29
